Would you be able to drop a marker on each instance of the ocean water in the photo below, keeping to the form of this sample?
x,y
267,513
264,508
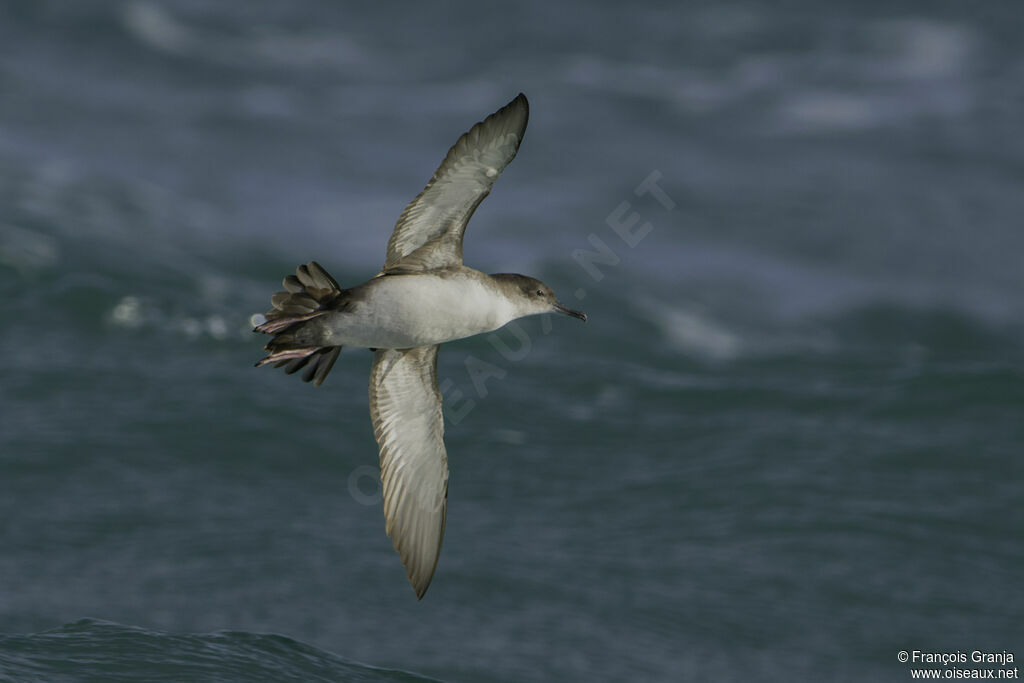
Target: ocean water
x,y
787,445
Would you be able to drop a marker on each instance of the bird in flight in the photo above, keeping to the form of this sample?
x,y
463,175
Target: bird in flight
x,y
424,296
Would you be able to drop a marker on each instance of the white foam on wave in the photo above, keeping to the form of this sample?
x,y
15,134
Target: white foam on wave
x,y
834,110
694,333
127,312
844,82
886,73
139,313
157,28
698,335
687,87
919,48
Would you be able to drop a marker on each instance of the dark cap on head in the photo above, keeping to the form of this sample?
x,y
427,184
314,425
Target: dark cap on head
x,y
534,289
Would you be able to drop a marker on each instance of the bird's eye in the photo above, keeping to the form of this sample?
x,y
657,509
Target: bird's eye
x,y
540,292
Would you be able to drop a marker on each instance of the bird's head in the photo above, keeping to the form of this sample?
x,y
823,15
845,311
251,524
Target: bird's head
x,y
533,296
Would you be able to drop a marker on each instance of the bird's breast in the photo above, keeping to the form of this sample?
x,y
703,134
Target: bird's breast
x,y
402,311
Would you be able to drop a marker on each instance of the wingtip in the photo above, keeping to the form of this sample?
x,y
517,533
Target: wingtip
x,y
521,100
517,114
421,589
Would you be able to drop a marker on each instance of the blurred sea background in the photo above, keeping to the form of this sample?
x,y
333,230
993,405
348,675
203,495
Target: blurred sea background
x,y
786,446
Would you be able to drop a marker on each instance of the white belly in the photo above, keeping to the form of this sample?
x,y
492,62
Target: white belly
x,y
403,311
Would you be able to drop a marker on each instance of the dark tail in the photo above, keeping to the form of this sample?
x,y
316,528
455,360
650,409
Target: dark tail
x,y
308,294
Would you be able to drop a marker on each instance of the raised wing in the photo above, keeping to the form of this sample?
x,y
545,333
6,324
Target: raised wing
x,y
405,406
437,217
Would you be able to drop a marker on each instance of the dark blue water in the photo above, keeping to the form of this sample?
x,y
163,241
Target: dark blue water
x,y
786,446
